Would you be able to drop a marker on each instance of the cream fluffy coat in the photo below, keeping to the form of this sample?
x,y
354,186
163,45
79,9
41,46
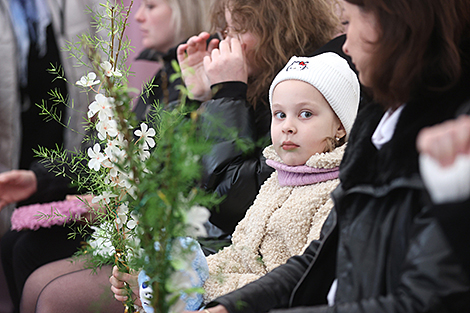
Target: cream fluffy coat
x,y
280,224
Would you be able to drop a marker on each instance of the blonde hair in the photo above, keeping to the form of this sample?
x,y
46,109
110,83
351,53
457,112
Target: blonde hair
x,y
190,17
283,28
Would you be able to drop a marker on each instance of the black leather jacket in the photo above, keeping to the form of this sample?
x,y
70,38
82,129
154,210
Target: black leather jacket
x,y
389,247
228,170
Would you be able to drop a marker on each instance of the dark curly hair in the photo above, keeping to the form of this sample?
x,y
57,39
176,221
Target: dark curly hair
x,y
283,28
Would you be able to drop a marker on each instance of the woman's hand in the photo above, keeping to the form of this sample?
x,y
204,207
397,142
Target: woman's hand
x,y
445,160
227,63
16,185
190,57
445,141
118,282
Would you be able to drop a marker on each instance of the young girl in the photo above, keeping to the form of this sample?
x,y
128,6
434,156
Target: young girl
x,y
385,247
314,102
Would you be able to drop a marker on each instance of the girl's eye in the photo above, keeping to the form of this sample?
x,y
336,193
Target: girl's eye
x,y
344,23
279,115
305,114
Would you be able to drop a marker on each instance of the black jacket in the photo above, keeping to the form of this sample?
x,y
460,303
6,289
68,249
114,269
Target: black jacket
x,y
228,170
389,247
164,92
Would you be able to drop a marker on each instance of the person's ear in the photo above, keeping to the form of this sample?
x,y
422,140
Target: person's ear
x,y
340,132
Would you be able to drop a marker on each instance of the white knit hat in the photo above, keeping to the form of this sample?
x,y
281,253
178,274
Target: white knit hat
x,y
331,75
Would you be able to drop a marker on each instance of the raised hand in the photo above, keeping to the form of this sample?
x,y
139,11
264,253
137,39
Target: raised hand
x,y
190,57
445,141
445,160
16,185
227,63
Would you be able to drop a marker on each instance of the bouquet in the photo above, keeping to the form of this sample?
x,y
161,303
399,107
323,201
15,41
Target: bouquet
x,y
142,175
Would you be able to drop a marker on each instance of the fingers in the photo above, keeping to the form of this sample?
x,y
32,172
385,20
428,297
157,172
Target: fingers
x,y
236,46
118,285
207,61
213,44
181,52
462,136
9,176
445,141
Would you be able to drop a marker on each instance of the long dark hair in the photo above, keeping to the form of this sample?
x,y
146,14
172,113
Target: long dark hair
x,y
418,46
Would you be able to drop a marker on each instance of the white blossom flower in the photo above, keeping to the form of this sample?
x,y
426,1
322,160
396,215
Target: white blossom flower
x,y
113,150
125,180
108,70
88,80
105,197
144,154
100,241
122,211
133,222
195,219
107,128
145,134
103,106
96,157
108,180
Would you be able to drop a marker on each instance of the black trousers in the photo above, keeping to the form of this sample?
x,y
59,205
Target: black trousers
x,y
25,251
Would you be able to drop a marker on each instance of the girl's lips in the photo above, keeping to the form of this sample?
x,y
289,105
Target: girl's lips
x,y
289,145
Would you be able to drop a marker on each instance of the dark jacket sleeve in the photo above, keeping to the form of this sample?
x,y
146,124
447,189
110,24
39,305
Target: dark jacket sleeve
x,y
233,173
50,186
432,278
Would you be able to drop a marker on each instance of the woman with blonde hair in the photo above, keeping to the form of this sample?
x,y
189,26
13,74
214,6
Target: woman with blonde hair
x,y
164,24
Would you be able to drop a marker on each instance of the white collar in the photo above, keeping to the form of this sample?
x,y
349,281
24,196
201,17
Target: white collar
x,y
384,131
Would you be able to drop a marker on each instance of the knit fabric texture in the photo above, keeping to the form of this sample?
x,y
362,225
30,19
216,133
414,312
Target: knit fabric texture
x,y
331,75
46,215
301,175
281,223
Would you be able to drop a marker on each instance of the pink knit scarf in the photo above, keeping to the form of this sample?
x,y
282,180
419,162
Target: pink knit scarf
x,y
302,175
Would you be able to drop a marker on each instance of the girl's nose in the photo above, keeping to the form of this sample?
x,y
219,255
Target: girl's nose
x,y
289,127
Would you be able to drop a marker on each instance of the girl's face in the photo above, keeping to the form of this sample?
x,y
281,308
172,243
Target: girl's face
x,y
155,18
362,31
247,39
302,120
